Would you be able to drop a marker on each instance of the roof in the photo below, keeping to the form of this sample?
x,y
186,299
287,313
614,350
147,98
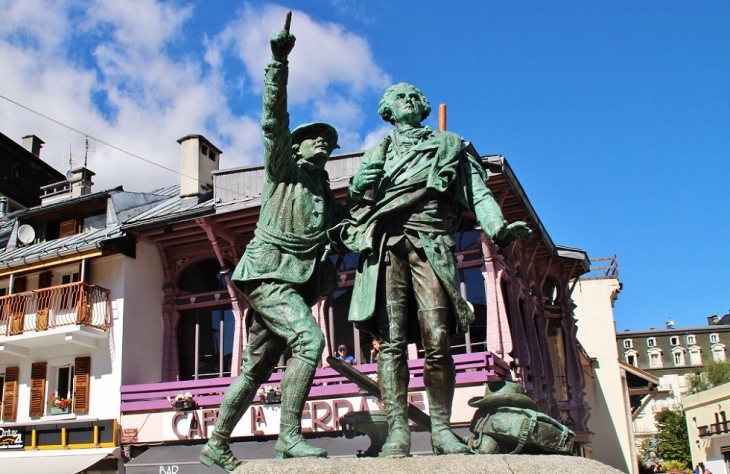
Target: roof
x,y
120,205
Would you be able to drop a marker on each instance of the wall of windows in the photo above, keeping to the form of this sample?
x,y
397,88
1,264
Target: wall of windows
x,y
206,327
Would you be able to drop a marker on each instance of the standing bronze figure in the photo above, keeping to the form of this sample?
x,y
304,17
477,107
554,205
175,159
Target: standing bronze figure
x,y
284,269
407,198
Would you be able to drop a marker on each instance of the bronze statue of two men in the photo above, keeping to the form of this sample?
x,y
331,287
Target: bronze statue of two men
x,y
404,204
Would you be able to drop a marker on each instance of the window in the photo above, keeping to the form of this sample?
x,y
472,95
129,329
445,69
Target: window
x,y
678,358
691,339
695,356
69,294
96,222
68,379
651,342
655,359
204,150
674,340
714,338
718,353
65,381
205,342
628,343
632,359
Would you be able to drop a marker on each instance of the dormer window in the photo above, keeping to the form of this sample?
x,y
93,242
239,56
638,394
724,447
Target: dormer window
x,y
651,342
628,344
96,222
691,340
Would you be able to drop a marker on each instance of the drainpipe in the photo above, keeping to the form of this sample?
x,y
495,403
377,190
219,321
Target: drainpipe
x,y
3,206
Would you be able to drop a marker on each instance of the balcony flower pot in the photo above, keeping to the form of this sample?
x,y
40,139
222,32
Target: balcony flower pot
x,y
181,405
60,410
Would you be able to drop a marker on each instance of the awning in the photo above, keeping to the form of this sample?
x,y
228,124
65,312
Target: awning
x,y
69,460
185,457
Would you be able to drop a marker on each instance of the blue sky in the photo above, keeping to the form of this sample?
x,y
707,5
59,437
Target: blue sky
x,y
615,116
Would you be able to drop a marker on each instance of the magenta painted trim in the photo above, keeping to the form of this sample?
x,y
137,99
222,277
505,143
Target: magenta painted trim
x,y
471,369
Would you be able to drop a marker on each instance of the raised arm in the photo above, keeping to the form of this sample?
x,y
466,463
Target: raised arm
x,y
278,160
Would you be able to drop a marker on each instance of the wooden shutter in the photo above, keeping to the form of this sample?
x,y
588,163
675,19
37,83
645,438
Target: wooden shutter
x,y
44,279
82,376
10,394
67,228
19,285
38,389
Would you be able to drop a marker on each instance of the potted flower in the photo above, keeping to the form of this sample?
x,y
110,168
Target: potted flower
x,y
182,401
59,405
269,394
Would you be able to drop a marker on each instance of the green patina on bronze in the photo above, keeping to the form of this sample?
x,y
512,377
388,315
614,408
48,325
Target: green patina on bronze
x,y
285,268
406,201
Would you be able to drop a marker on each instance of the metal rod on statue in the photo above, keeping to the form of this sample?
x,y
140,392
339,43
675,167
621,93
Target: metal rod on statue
x,y
442,117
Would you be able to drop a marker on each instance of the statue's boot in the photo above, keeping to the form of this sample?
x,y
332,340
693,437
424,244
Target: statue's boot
x,y
294,389
236,400
439,378
393,379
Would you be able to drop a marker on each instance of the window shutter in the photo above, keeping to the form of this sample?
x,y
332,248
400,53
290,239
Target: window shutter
x,y
38,389
67,228
82,375
19,285
44,279
10,394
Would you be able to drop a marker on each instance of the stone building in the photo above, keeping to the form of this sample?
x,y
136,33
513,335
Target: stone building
x,y
671,354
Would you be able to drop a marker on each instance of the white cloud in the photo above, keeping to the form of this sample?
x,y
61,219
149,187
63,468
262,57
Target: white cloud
x,y
325,55
376,136
105,68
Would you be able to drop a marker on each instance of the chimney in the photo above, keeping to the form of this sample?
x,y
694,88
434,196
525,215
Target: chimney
x,y
33,144
80,181
713,320
199,159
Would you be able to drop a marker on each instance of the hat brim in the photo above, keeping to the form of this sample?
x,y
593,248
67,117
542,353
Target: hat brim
x,y
504,400
323,129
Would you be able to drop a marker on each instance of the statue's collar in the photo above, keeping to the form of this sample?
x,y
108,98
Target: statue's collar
x,y
314,169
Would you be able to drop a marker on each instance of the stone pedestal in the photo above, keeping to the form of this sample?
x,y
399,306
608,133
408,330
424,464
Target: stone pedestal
x,y
455,464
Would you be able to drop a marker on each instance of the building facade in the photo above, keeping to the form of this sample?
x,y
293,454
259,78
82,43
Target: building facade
x,y
671,354
140,292
708,428
66,270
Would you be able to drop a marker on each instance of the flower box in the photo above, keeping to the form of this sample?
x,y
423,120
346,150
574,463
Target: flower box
x,y
60,410
183,404
269,394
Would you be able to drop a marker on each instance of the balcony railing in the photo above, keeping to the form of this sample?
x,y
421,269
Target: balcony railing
x,y
714,429
471,369
47,308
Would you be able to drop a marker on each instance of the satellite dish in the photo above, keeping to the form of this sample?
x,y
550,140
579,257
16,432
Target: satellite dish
x,y
26,234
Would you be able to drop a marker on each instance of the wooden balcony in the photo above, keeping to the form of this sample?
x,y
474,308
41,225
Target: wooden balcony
x,y
62,309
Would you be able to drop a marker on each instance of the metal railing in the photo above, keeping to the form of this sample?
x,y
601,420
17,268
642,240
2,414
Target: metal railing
x,y
39,310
